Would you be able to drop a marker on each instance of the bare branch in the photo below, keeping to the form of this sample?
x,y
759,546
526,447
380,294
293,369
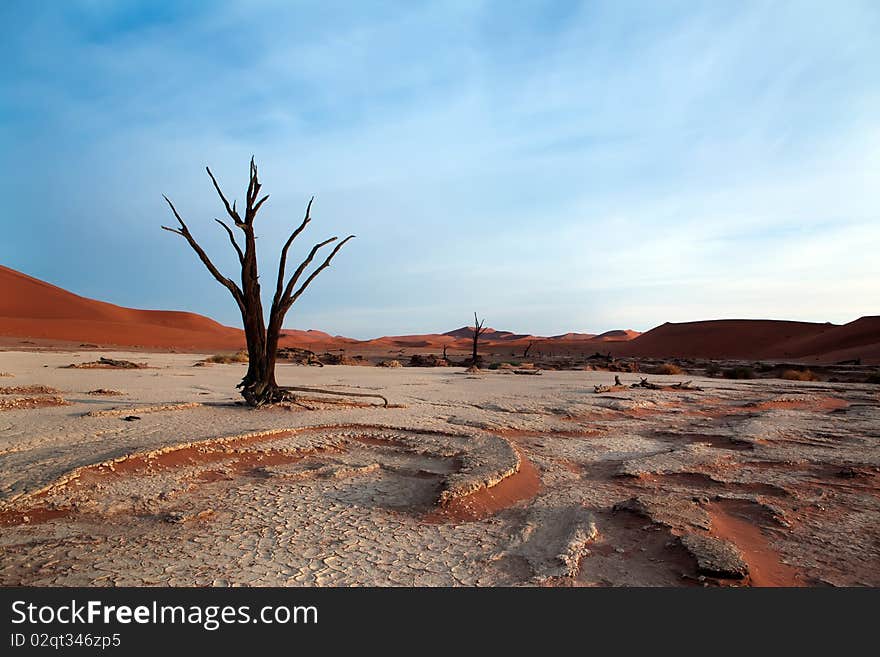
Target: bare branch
x,y
315,273
478,325
253,192
252,178
288,290
282,264
230,210
184,232
259,203
232,239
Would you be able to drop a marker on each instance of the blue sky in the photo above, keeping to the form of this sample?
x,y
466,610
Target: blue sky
x,y
556,166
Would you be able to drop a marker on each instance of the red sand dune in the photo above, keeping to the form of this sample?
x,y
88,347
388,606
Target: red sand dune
x,y
30,308
34,309
570,337
617,336
488,334
749,339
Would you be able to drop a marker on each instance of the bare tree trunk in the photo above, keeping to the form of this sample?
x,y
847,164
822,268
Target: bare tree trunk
x,y
478,330
258,387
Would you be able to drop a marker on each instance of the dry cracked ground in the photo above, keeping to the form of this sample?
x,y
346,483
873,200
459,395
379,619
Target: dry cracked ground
x,y
158,477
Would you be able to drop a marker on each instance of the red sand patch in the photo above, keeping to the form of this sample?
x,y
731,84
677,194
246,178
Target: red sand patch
x,y
522,485
820,405
231,460
765,567
238,462
31,516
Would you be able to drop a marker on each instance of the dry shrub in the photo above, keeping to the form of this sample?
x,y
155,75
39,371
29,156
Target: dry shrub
x,y
107,364
226,359
799,375
389,363
418,360
739,373
502,366
668,368
20,403
28,390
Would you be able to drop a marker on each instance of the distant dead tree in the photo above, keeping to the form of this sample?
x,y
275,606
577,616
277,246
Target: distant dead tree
x,y
445,347
526,352
478,331
258,387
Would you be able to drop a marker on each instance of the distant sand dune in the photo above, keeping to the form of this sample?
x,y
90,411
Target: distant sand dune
x,y
33,309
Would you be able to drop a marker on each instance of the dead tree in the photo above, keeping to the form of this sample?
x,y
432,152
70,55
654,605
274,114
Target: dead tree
x,y
478,331
258,387
526,352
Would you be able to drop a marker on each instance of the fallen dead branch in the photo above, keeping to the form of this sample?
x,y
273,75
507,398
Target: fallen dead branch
x,y
323,391
107,364
685,385
644,383
681,385
143,409
601,389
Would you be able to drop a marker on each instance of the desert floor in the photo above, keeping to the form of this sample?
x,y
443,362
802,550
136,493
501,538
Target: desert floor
x,y
485,479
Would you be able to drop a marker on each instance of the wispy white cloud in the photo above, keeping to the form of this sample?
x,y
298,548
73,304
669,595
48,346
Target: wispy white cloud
x,y
565,167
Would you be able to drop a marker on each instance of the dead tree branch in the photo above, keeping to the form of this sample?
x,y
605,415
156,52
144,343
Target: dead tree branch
x,y
259,386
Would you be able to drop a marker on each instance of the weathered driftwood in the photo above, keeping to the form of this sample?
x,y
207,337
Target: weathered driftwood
x,y
616,388
681,385
528,372
685,385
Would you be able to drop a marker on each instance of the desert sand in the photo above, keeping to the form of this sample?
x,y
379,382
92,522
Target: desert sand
x,y
36,314
158,476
